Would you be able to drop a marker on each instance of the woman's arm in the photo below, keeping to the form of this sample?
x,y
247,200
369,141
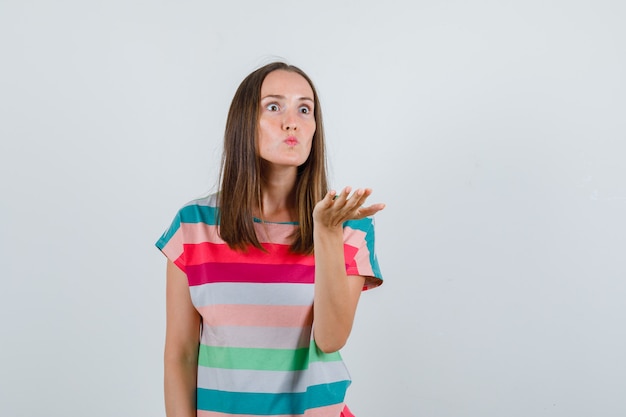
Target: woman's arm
x,y
181,346
336,294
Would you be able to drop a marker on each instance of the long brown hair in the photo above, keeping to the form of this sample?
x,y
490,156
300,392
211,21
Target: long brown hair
x,y
241,170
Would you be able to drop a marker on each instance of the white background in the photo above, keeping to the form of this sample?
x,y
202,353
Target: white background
x,y
494,130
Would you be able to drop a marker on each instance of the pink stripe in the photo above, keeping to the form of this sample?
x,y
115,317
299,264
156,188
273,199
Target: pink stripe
x,y
257,337
200,232
346,412
362,263
354,237
253,273
199,253
274,232
257,315
174,248
330,410
266,232
356,253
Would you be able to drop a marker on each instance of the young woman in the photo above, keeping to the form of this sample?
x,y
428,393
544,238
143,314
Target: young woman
x,y
264,277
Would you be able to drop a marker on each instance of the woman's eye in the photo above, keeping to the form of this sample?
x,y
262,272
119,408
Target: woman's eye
x,y
305,110
272,107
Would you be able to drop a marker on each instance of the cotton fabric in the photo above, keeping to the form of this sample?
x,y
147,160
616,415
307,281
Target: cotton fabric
x,y
257,355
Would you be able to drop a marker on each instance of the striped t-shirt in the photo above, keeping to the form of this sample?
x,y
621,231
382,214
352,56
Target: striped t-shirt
x,y
257,356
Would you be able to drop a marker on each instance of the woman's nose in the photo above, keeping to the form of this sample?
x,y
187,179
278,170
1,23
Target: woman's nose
x,y
289,122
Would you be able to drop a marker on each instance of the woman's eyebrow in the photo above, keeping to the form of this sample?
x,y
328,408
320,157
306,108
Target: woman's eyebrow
x,y
281,97
273,96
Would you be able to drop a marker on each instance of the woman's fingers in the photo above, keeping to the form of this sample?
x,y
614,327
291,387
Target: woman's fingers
x,y
329,198
346,206
342,197
371,210
358,198
336,208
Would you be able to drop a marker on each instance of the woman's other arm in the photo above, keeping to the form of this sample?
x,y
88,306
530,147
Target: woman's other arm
x,y
336,294
181,346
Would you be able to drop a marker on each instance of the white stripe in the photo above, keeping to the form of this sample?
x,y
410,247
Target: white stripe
x,y
256,337
209,200
238,380
251,293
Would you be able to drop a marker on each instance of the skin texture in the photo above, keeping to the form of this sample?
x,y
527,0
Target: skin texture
x,y
336,294
286,128
286,121
181,346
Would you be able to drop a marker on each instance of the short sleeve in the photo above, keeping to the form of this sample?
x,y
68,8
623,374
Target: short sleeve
x,y
171,242
194,223
359,252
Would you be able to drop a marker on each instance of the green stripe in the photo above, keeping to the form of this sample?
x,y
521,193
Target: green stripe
x,y
263,359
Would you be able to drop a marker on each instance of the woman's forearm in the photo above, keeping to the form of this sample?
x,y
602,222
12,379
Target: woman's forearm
x,y
180,386
336,294
181,346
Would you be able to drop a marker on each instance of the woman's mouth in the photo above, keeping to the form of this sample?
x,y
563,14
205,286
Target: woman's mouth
x,y
291,141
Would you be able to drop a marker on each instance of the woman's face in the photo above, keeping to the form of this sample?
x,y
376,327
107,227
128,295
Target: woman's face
x,y
286,119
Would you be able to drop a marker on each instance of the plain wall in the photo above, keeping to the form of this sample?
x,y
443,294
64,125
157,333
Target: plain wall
x,y
494,131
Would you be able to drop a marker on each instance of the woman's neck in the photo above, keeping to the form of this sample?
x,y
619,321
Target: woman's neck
x,y
278,197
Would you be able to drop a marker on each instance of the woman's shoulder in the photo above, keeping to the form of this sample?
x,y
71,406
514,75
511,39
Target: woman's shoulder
x,y
200,210
207,200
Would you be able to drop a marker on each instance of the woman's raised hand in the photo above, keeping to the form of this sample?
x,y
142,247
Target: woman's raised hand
x,y
334,209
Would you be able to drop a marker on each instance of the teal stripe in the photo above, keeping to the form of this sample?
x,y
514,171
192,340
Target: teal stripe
x,y
271,404
191,213
363,225
367,225
171,231
262,359
199,214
